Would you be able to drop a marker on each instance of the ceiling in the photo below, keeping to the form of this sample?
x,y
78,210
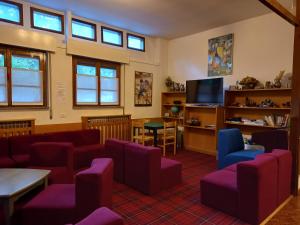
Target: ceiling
x,y
163,18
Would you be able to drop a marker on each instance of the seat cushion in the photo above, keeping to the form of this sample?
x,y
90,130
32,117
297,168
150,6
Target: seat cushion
x,y
219,191
232,167
54,205
21,160
239,156
170,173
58,175
6,162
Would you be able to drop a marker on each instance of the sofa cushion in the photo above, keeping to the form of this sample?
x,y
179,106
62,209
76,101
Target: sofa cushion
x,y
239,156
115,148
4,148
6,162
219,190
170,173
232,167
84,155
47,210
22,160
58,175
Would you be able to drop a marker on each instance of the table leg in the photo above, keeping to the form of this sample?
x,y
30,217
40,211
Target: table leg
x,y
8,207
155,137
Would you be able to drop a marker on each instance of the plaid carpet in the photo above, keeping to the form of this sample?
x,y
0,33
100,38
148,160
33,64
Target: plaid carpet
x,y
177,206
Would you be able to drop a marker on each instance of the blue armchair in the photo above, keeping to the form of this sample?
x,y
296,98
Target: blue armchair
x,y
231,148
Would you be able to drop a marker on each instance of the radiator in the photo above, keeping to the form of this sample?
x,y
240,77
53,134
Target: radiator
x,y
10,128
110,126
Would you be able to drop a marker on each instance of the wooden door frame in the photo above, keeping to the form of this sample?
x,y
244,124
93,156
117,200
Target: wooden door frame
x,y
276,7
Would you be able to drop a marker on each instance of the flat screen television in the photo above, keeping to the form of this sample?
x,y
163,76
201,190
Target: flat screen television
x,y
205,92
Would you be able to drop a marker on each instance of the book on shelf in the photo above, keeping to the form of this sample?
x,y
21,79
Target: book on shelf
x,y
277,120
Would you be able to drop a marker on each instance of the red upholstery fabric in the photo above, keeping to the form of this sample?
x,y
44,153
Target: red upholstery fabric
x,y
83,155
5,160
284,161
55,156
170,173
257,183
232,167
115,149
102,216
94,186
142,168
21,160
54,205
219,190
60,204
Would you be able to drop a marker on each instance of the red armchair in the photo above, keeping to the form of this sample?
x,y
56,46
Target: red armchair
x,y
102,216
60,204
57,157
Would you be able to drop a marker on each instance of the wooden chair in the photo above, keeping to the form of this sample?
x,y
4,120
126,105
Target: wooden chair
x,y
138,132
168,137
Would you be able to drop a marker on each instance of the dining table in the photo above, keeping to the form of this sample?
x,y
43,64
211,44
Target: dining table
x,y
154,126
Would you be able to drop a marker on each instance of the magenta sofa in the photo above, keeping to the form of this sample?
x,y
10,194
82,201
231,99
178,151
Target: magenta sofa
x,y
102,216
86,142
250,190
60,204
147,172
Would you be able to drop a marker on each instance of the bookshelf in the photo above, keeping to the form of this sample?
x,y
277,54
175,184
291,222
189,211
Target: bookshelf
x,y
167,102
255,116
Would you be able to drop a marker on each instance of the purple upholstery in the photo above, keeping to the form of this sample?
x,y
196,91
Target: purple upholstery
x,y
55,156
170,173
60,204
250,190
94,186
219,190
115,149
257,184
102,216
86,142
5,160
142,168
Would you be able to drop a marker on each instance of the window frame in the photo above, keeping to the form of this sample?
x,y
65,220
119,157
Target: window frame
x,y
85,38
62,20
137,36
115,30
8,52
20,6
78,60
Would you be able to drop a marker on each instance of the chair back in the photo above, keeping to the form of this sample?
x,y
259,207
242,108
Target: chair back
x,y
93,186
138,129
170,127
229,140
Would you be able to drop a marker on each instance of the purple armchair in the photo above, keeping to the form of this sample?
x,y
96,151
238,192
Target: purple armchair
x,y
102,216
57,157
60,204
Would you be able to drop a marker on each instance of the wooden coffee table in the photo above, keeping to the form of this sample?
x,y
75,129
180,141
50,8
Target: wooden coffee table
x,y
14,183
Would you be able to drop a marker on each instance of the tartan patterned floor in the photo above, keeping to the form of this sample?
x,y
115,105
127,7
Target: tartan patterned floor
x,y
177,206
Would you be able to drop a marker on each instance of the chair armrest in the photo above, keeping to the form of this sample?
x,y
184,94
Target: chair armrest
x,y
52,154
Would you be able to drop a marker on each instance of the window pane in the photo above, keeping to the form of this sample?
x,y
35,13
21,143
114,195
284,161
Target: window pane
x,y
1,60
47,21
112,37
109,84
25,63
110,97
3,94
9,12
86,96
26,77
26,95
107,72
86,70
135,42
86,82
83,29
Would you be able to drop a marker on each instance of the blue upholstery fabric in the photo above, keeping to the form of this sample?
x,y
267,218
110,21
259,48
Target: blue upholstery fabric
x,y
231,148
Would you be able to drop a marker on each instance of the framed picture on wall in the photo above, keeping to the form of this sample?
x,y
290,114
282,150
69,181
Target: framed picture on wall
x,y
220,56
143,89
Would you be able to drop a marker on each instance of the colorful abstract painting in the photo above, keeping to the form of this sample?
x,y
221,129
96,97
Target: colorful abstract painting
x,y
220,56
143,89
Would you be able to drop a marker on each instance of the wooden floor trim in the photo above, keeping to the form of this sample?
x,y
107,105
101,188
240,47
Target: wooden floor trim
x,y
276,211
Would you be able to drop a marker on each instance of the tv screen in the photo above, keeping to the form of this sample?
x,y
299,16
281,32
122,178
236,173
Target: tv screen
x,y
208,91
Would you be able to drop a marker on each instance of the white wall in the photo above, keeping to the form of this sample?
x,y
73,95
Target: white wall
x,y
153,61
262,47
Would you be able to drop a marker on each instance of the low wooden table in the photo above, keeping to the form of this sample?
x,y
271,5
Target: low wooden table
x,y
14,183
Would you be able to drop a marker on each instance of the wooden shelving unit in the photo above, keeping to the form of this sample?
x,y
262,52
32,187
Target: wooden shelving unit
x,y
278,96
167,102
203,138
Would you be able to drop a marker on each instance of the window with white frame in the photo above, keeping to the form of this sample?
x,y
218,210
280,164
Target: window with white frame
x,y
96,82
22,78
